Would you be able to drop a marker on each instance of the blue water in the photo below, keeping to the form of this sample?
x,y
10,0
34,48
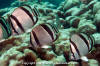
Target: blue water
x,y
55,2
7,3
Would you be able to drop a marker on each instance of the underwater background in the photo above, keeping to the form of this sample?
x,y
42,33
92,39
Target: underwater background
x,y
49,32
8,2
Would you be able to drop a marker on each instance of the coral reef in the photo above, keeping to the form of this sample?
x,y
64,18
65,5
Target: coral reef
x,y
71,16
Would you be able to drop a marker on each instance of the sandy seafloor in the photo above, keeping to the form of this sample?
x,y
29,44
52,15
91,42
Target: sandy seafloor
x,y
74,16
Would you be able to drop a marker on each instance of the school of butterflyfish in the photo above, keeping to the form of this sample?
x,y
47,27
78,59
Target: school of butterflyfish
x,y
25,17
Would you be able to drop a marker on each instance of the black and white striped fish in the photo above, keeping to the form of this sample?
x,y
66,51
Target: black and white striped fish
x,y
5,29
81,44
23,18
43,34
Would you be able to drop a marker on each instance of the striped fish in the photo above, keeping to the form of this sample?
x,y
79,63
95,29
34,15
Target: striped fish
x,y
23,18
43,34
81,44
5,29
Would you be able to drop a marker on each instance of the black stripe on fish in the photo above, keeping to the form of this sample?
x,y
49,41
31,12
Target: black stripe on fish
x,y
29,14
31,40
4,25
56,37
13,26
75,47
48,30
36,38
84,39
9,28
54,27
17,22
2,21
36,19
32,12
92,41
36,11
72,52
28,6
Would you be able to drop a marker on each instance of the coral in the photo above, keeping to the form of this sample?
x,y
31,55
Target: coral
x,y
87,27
73,21
85,1
71,16
3,11
96,7
72,11
70,3
96,37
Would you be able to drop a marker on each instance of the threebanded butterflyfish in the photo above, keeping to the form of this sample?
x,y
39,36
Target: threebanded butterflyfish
x,y
81,44
43,34
5,29
23,18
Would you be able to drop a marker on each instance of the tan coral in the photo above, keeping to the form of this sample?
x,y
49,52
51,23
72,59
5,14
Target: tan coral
x,y
70,3
86,26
